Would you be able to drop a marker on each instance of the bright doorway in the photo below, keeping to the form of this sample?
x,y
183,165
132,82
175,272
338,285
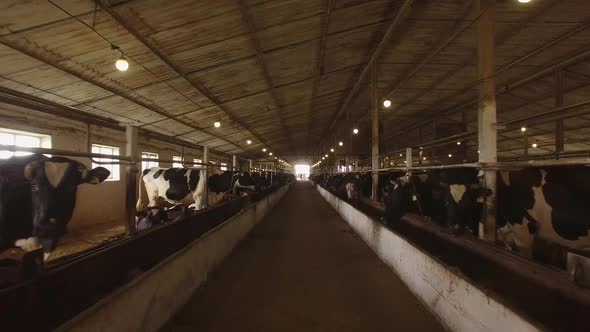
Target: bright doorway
x,y
302,172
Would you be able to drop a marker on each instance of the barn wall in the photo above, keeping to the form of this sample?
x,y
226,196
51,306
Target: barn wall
x,y
104,203
459,304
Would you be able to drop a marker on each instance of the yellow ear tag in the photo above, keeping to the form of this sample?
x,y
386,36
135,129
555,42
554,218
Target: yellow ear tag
x,y
94,180
480,199
414,198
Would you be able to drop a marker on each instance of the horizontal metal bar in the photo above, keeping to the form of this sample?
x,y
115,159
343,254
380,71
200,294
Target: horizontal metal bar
x,y
15,148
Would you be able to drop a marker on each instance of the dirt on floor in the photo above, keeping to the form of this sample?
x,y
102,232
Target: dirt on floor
x,y
303,269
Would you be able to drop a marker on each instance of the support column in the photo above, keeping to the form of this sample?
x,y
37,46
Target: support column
x,y
206,179
486,113
526,144
375,134
408,157
234,162
131,150
250,165
559,135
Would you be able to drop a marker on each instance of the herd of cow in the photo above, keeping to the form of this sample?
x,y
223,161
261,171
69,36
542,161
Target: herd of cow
x,y
38,195
538,209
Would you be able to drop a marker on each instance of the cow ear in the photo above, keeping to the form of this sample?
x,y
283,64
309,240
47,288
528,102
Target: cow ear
x,y
97,175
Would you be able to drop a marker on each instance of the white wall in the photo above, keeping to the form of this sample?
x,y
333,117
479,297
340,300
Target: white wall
x,y
103,203
459,304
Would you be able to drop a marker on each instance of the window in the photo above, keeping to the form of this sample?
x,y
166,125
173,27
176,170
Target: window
x,y
110,150
149,164
197,161
24,139
177,161
223,166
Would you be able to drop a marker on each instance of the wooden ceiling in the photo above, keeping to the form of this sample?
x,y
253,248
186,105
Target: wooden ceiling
x,y
289,74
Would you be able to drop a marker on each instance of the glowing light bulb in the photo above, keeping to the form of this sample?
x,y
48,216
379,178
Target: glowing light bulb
x,y
387,103
340,143
523,129
331,149
355,131
121,64
459,143
270,153
450,155
326,155
535,145
248,142
217,124
264,150
524,1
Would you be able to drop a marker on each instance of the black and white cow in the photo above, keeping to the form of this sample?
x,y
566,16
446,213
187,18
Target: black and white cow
x,y
185,186
451,198
37,199
544,203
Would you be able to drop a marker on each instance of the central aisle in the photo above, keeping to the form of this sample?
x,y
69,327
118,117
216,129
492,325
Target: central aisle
x,y
303,269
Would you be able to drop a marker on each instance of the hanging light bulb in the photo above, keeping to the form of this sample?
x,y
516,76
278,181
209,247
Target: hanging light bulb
x,y
326,155
340,143
248,142
387,103
523,129
264,150
331,149
323,158
524,1
459,143
121,64
355,131
270,153
401,155
534,145
450,155
217,124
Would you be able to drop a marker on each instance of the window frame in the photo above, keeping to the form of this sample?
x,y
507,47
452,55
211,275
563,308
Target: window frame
x,y
42,141
149,164
177,162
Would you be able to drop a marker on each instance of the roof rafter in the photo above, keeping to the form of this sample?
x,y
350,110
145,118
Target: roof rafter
x,y
42,56
395,23
261,60
319,70
151,45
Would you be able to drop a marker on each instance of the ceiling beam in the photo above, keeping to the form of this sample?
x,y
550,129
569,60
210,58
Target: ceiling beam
x,y
395,23
20,99
319,70
469,61
261,60
151,45
40,55
505,88
451,34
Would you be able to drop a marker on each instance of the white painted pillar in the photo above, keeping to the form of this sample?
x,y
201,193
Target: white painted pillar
x,y
250,165
131,150
375,134
486,114
234,162
408,157
206,179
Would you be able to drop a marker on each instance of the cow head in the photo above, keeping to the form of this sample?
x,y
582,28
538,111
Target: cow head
x,y
53,189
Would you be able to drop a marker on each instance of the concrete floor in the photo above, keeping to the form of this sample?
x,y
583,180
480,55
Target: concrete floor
x,y
303,269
